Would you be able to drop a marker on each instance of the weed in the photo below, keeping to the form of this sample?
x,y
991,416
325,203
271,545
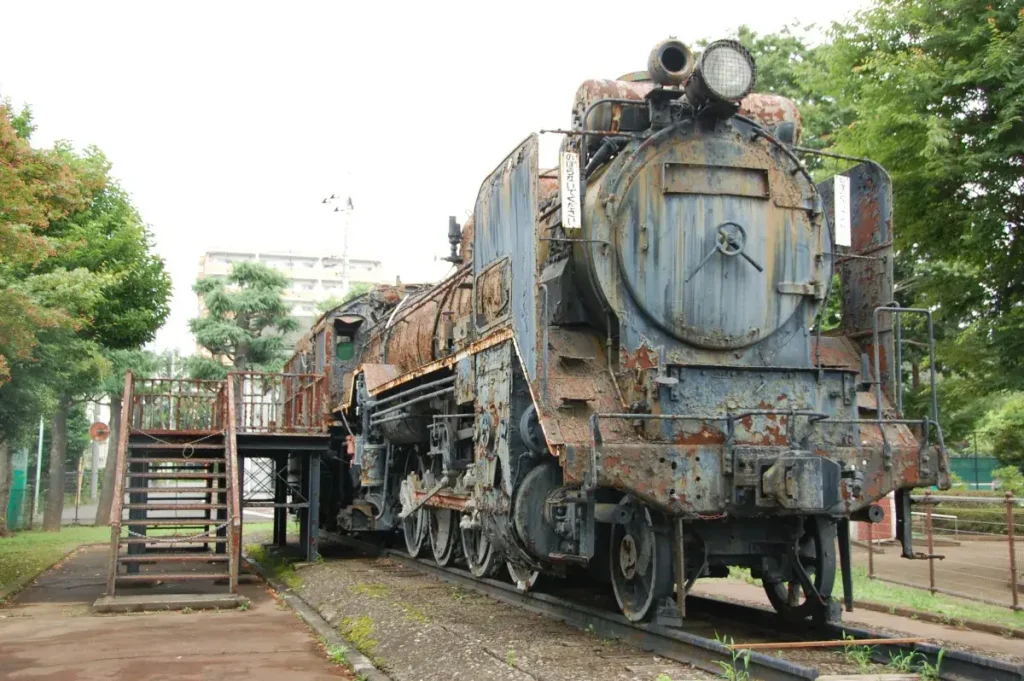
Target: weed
x,y
859,655
359,631
663,677
902,662
927,672
245,605
187,610
738,669
510,658
458,595
275,564
337,655
590,629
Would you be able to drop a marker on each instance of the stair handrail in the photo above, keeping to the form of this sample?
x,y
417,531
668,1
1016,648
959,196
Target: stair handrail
x,y
116,508
232,484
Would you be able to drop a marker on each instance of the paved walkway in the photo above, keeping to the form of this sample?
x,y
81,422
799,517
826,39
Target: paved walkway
x,y
49,633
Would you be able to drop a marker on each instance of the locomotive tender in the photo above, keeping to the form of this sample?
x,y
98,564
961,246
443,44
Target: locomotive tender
x,y
626,374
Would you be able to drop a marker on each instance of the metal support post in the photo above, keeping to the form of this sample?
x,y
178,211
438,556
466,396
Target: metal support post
x,y
843,536
680,559
1013,551
280,468
871,550
303,512
313,509
928,534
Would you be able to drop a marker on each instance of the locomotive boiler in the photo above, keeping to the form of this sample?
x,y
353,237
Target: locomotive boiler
x,y
626,374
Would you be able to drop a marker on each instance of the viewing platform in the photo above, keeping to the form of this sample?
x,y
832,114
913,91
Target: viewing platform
x,y
192,455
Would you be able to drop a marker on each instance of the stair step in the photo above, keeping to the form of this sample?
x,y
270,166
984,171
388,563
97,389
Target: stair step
x,y
175,460
174,577
176,446
172,475
182,539
157,506
174,558
174,490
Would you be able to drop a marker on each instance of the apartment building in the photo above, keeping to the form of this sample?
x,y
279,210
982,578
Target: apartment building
x,y
313,277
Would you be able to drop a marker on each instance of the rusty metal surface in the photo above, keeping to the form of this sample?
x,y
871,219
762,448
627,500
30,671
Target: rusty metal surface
x,y
867,278
377,375
494,338
174,404
505,217
279,403
767,109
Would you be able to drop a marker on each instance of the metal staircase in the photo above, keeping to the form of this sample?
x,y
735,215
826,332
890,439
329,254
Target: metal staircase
x,y
176,463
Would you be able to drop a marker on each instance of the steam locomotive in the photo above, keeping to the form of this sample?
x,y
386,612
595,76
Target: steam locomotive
x,y
626,373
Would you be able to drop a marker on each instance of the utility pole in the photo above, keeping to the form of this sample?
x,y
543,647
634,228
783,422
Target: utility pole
x,y
94,467
39,467
346,210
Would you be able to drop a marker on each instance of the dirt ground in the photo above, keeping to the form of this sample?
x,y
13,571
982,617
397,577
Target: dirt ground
x,y
948,636
49,633
420,629
972,567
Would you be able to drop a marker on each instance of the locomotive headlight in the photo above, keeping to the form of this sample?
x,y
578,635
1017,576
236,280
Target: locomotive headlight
x,y
725,72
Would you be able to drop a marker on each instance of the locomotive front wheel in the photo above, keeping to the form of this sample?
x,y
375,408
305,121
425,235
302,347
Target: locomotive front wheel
x,y
523,578
816,553
444,535
480,556
641,565
414,528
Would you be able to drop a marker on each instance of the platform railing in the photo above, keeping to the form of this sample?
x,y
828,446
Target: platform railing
x,y
177,404
273,403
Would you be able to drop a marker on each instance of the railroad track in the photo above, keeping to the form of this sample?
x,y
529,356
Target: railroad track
x,y
701,652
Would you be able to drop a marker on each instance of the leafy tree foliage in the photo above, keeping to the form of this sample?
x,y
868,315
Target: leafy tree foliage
x,y
77,276
354,291
938,92
934,91
245,317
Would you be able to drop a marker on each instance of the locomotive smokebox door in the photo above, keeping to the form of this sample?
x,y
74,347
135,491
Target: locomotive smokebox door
x,y
716,240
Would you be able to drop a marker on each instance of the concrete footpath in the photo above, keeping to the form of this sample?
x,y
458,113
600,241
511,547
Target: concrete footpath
x,y
49,632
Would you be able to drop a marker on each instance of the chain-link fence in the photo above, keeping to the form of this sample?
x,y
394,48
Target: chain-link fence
x,y
974,543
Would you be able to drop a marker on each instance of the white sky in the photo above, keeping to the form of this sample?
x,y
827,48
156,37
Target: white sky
x,y
229,121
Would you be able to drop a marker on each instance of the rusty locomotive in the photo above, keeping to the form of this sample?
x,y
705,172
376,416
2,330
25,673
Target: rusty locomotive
x,y
626,373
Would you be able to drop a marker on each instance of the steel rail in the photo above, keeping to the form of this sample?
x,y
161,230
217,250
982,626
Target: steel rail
x,y
705,653
957,665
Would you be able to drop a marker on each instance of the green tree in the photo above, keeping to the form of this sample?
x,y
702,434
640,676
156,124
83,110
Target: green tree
x,y
37,188
244,319
355,290
108,245
937,89
144,364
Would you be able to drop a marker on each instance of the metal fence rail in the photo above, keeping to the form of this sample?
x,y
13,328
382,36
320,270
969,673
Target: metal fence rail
x,y
974,542
279,402
177,404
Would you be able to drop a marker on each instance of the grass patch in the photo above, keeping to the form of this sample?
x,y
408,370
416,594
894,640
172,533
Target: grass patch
x,y
25,554
359,631
953,610
277,565
415,614
373,590
337,655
